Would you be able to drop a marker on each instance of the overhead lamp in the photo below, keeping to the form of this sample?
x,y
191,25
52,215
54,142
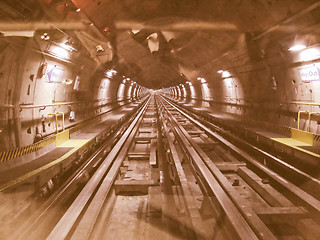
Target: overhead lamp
x,y
60,52
78,10
220,71
201,79
226,74
99,48
110,73
297,47
45,36
309,54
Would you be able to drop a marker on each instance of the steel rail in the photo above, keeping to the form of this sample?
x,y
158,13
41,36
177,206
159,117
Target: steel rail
x,y
310,201
66,190
90,216
190,207
240,226
66,223
312,181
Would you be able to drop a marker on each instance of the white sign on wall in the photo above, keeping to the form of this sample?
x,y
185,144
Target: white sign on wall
x,y
55,75
310,73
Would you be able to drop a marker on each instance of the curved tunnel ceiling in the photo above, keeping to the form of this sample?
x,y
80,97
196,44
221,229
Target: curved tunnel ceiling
x,y
162,40
161,43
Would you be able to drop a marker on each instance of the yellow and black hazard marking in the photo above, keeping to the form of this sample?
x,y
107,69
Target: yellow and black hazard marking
x,y
17,152
316,138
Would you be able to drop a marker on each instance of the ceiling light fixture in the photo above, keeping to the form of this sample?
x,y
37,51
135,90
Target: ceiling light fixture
x,y
309,54
110,73
297,47
201,79
45,36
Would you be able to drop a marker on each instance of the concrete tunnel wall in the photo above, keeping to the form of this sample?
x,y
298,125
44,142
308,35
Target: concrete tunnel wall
x,y
260,82
262,86
33,81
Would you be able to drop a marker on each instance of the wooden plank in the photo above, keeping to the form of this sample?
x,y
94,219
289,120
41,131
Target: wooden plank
x,y
153,153
229,166
147,138
146,130
195,133
132,186
268,193
240,228
208,145
138,156
274,215
241,216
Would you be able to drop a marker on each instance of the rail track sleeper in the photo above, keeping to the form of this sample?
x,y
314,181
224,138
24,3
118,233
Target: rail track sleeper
x,y
229,166
64,226
268,193
296,192
281,215
240,227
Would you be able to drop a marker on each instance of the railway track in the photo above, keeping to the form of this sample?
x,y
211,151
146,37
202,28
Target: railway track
x,y
170,176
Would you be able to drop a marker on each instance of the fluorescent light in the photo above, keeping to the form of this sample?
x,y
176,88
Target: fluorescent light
x,y
45,36
297,47
60,52
226,74
110,73
309,54
201,79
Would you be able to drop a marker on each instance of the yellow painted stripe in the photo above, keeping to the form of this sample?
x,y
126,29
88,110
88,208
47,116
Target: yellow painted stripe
x,y
10,156
20,152
24,150
15,153
6,156
76,144
28,149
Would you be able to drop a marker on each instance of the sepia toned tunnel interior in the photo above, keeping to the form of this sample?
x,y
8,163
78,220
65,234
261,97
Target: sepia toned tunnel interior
x,y
64,63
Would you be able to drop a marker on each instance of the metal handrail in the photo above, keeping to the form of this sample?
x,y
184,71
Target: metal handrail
x,y
56,115
299,115
309,119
